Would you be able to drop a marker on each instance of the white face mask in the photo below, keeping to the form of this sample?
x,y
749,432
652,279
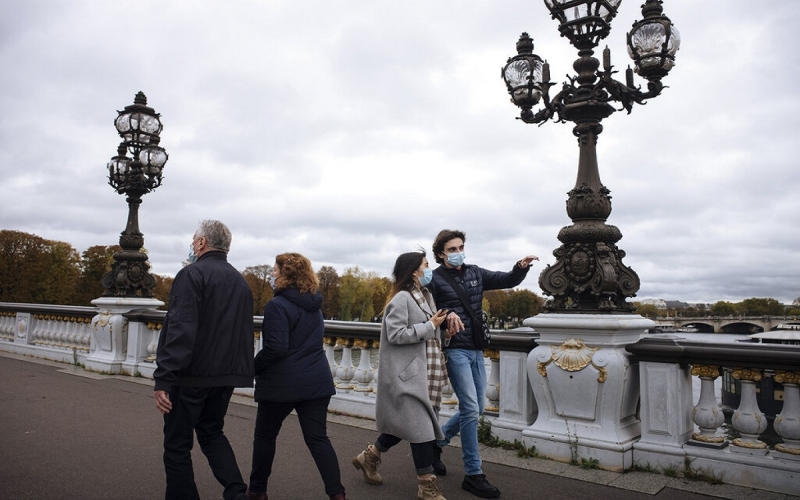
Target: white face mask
x,y
272,282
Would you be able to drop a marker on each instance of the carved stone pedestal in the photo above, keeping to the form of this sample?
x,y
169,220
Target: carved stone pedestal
x,y
585,387
110,332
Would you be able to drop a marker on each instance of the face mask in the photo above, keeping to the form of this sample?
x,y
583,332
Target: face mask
x,y
427,275
456,259
272,282
192,256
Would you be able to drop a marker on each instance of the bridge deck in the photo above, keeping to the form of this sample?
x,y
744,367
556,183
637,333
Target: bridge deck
x,y
70,434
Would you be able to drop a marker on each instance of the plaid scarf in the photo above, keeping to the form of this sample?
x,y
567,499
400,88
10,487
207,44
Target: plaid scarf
x,y
437,374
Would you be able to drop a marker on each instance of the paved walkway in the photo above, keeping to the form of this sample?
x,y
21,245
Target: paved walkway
x,y
70,434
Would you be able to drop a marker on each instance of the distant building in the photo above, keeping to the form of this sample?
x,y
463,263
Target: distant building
x,y
676,304
659,303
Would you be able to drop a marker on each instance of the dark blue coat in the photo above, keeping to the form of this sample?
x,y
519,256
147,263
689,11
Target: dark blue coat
x,y
475,280
207,337
291,366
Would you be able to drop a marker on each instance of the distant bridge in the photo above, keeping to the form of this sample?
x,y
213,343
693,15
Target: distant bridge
x,y
729,324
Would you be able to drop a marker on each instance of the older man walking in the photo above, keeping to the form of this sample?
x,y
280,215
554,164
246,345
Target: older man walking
x,y
204,351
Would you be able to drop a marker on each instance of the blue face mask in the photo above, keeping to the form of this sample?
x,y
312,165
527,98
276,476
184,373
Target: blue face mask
x,y
272,282
192,256
427,275
456,259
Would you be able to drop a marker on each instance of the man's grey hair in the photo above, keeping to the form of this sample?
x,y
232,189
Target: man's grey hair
x,y
218,235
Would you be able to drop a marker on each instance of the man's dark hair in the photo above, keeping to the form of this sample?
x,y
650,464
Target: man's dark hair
x,y
443,237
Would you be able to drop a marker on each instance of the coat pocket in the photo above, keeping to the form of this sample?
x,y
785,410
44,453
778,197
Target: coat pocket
x,y
415,367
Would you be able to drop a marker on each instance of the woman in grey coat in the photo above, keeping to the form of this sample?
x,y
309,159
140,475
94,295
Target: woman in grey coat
x,y
410,376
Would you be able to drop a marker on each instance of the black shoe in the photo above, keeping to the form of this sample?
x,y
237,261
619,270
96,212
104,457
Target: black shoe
x,y
438,467
479,486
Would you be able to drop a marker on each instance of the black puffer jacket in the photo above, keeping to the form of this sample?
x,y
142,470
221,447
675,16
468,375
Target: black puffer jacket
x,y
207,337
291,366
475,280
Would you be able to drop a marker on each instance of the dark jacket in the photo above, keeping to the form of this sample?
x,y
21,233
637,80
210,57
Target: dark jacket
x,y
475,281
291,366
207,337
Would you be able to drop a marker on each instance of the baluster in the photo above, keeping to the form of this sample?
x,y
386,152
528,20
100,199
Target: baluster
x,y
7,324
748,419
86,335
493,383
35,329
346,369
55,331
376,344
48,336
47,330
364,373
58,329
787,423
152,346
329,344
72,330
707,414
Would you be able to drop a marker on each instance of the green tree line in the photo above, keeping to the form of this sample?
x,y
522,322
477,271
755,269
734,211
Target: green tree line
x,y
39,271
748,307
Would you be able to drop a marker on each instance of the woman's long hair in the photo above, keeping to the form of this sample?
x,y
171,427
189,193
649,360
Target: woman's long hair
x,y
296,271
404,268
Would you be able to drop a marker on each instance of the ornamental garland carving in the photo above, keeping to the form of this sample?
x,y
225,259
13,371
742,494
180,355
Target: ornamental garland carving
x,y
709,371
753,374
572,355
784,377
492,354
787,449
751,445
707,439
343,342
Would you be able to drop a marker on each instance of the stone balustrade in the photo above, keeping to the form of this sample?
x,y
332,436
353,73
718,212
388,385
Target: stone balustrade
x,y
680,435
681,432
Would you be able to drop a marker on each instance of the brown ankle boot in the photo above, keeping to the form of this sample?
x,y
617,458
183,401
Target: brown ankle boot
x,y
367,462
428,489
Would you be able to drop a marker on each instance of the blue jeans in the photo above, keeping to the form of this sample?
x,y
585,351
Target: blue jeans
x,y
468,379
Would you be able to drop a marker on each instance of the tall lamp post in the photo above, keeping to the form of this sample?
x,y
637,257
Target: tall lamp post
x,y
585,384
129,285
589,275
134,176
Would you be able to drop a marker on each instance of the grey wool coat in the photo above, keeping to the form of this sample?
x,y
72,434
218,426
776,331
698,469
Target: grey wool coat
x,y
403,408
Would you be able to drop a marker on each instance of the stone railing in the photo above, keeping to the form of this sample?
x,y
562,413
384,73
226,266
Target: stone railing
x,y
59,333
351,349
676,434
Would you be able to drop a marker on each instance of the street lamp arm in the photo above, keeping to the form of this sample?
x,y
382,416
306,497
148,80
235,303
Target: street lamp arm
x,y
628,94
551,107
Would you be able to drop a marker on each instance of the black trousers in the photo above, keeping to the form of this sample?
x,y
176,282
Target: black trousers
x,y
422,453
199,410
312,416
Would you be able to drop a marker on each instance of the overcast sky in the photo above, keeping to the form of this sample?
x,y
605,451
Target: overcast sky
x,y
352,131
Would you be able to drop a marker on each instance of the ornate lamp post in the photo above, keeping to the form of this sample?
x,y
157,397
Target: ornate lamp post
x,y
583,379
589,275
139,126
